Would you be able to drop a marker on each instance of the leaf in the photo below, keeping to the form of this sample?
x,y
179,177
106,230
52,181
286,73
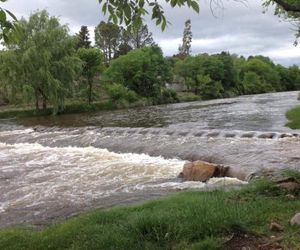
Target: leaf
x,y
2,16
195,6
12,15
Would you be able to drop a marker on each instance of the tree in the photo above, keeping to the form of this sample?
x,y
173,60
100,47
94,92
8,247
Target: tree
x,y
144,71
107,39
140,37
252,83
267,73
45,54
92,65
185,48
83,38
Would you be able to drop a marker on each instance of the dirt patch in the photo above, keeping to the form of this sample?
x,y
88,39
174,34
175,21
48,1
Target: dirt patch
x,y
251,242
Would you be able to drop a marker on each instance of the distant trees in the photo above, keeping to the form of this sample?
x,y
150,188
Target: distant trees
x,y
139,37
225,75
114,40
83,38
107,36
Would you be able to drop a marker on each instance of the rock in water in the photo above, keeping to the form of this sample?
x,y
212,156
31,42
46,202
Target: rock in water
x,y
202,171
295,221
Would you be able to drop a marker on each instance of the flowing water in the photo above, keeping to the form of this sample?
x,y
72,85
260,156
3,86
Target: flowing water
x,y
54,167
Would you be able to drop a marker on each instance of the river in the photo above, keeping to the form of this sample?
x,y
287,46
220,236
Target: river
x,y
54,167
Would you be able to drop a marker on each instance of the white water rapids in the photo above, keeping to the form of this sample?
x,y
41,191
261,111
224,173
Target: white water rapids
x,y
38,180
55,167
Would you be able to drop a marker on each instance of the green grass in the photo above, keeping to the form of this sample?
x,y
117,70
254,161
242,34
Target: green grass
x,y
188,97
191,220
293,116
13,112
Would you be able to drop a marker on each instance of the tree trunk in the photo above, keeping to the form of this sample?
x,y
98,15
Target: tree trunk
x,y
90,82
44,103
36,100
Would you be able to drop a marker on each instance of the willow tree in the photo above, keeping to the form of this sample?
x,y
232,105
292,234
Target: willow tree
x,y
47,59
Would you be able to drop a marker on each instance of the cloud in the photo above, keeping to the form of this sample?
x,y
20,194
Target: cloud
x,y
238,28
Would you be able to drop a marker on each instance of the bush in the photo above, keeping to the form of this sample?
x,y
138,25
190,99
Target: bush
x,y
119,93
166,96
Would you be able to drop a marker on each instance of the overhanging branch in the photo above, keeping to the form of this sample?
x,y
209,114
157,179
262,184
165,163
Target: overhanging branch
x,y
287,6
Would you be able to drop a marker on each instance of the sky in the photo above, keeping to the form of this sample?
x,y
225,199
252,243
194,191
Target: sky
x,y
243,29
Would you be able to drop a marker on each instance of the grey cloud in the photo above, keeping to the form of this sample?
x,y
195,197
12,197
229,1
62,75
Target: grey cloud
x,y
238,28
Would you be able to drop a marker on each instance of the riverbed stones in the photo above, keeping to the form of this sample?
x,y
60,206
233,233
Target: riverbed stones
x,y
202,171
295,221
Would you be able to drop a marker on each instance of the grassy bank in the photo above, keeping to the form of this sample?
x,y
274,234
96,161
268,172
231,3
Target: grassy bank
x,y
293,116
72,108
193,220
82,107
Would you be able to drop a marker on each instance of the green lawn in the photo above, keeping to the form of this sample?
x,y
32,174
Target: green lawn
x,y
189,220
293,116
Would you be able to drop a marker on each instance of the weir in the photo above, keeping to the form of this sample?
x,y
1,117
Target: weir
x,y
55,167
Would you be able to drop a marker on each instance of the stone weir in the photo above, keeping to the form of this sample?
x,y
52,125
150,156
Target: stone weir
x,y
245,152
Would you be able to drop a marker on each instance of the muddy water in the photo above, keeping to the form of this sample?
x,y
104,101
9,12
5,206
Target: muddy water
x,y
54,167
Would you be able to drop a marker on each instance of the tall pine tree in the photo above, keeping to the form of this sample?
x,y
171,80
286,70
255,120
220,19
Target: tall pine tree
x,y
83,38
185,48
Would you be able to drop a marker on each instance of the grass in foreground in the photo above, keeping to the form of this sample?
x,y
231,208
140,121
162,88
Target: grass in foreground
x,y
193,220
294,118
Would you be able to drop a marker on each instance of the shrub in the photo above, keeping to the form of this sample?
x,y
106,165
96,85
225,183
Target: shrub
x,y
120,93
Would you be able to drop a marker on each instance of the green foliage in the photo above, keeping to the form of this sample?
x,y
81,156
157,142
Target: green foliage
x,y
143,70
266,71
166,96
131,12
8,23
83,38
190,220
42,62
92,59
107,39
225,75
252,84
293,116
118,93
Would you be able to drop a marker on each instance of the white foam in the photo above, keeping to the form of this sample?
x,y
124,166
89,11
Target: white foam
x,y
37,175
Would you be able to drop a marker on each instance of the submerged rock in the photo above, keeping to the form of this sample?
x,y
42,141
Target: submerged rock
x,y
202,171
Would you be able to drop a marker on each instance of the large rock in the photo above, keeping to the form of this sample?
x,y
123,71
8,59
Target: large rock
x,y
295,221
202,171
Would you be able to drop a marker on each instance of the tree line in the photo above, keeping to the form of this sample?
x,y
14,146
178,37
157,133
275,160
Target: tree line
x,y
46,67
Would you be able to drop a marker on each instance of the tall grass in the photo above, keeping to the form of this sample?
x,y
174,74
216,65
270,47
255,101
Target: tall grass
x,y
194,220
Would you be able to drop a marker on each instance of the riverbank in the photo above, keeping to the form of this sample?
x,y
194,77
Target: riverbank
x,y
13,111
293,116
190,220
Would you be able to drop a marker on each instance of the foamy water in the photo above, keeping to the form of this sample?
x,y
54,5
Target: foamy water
x,y
55,167
32,176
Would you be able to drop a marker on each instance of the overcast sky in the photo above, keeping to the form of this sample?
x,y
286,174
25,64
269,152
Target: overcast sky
x,y
240,29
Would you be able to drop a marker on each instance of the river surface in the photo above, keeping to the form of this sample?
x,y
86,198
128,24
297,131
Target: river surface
x,y
55,167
